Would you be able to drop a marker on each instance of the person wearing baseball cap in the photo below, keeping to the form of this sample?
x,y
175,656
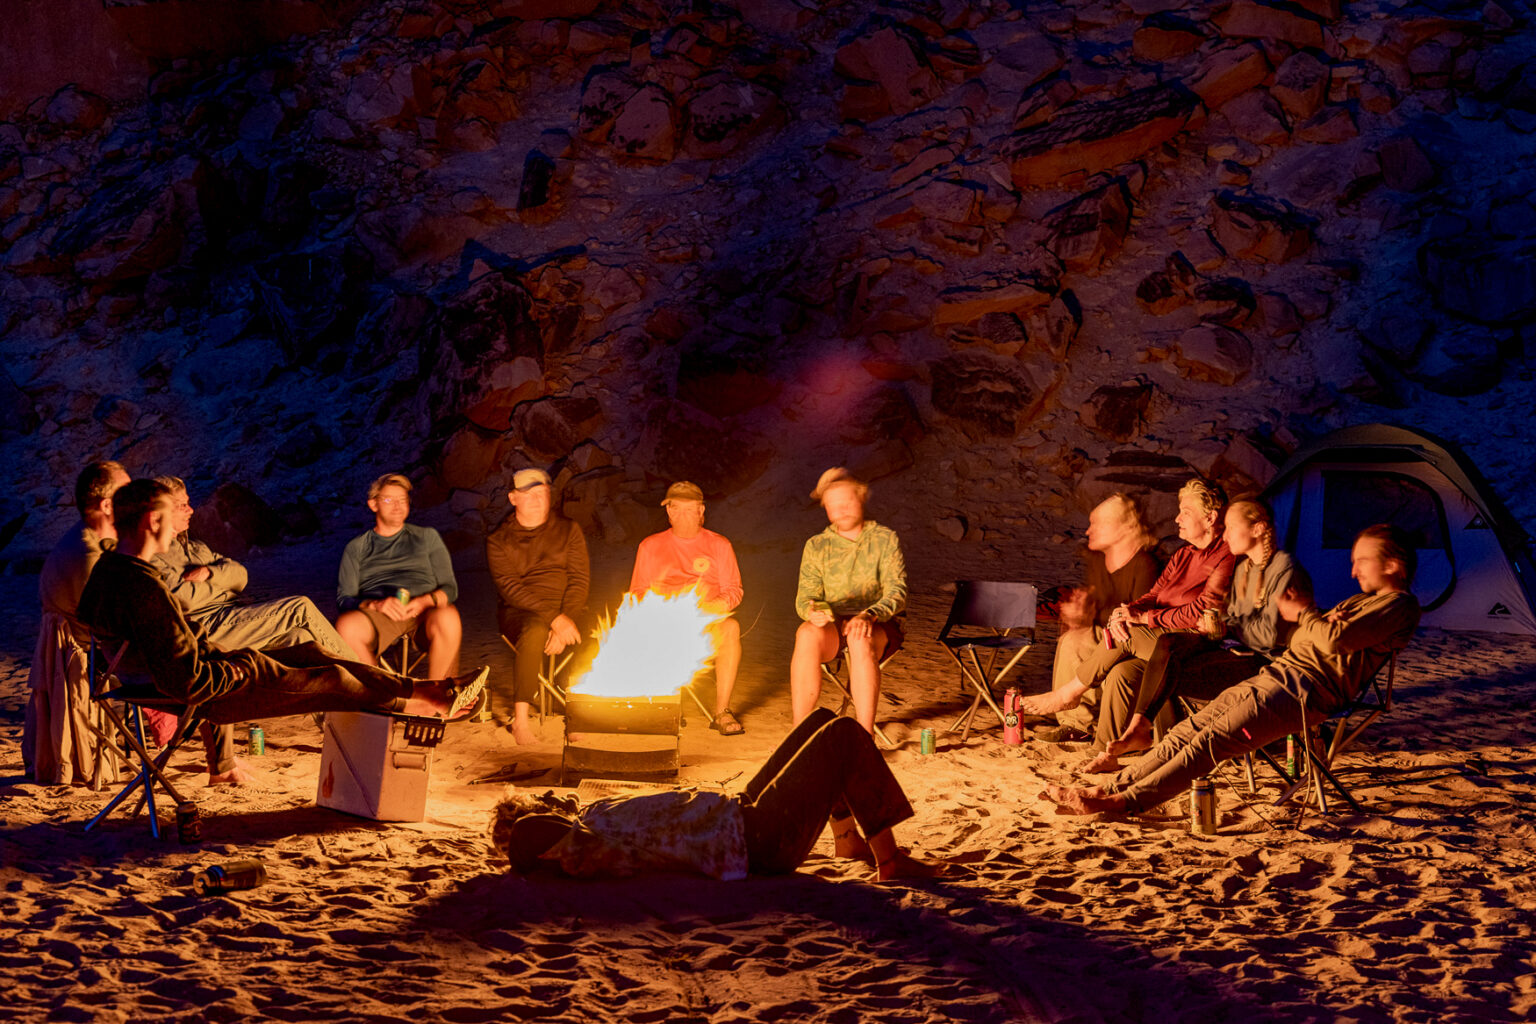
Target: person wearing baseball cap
x,y
538,561
687,555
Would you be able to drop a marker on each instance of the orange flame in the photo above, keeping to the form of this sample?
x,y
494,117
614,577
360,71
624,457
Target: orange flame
x,y
653,647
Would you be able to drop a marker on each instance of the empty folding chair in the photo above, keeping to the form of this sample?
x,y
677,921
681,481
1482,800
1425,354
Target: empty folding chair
x,y
998,618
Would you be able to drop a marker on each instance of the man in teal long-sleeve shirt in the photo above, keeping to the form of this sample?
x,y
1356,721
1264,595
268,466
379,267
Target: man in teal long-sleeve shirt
x,y
853,590
395,556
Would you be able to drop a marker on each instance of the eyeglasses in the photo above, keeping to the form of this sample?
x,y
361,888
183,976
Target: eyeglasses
x,y
392,502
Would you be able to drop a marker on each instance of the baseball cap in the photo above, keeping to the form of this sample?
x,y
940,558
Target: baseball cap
x,y
526,479
683,491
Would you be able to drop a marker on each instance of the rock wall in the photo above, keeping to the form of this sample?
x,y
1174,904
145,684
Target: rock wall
x,y
999,257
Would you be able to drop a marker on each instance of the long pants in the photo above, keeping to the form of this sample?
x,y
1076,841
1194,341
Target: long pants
x,y
282,623
1191,665
528,634
1117,674
1073,647
1240,719
301,680
828,766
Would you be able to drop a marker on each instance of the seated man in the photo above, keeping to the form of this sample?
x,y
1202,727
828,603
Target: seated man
x,y
58,746
538,562
1329,659
1121,568
853,589
207,585
689,556
1196,579
124,599
397,579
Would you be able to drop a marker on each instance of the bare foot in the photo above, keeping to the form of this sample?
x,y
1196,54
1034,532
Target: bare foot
x,y
1137,736
848,844
447,698
1050,703
904,865
241,774
522,733
1054,793
1093,800
1103,761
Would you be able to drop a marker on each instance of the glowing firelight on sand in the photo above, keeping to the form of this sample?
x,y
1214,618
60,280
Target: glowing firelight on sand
x,y
652,648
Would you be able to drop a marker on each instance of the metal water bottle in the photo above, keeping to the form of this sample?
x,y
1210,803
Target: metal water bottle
x,y
1013,734
1202,807
231,877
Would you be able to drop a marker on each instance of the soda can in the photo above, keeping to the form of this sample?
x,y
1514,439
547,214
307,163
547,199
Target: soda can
x,y
231,877
402,595
1290,755
189,823
1202,807
925,744
1013,733
258,741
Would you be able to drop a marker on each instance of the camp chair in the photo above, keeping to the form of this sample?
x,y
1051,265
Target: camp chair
x,y
107,688
1373,701
554,664
405,660
836,673
998,618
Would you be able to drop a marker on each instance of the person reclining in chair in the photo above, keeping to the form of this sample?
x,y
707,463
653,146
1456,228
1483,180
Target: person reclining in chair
x,y
125,600
1331,657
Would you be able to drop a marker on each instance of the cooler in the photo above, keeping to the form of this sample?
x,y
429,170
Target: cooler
x,y
376,765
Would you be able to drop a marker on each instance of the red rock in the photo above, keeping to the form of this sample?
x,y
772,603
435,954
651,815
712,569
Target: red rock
x,y
1019,294
1214,354
1119,413
1091,228
646,129
1333,124
1053,327
533,10
989,394
1230,72
1278,315
1255,227
1084,138
1252,19
603,97
889,73
74,109
728,113
1301,85
1405,166
957,202
1257,117
1166,36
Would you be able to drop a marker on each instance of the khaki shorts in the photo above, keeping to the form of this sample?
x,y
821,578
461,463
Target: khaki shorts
x,y
389,630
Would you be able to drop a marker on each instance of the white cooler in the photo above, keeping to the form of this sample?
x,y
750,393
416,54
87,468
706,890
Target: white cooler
x,y
377,765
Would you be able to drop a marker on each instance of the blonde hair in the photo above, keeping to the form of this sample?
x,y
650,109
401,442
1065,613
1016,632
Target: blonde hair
x,y
839,475
1256,513
1210,496
389,479
1133,518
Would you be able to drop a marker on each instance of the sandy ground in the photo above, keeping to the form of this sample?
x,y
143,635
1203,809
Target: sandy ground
x,y
1421,909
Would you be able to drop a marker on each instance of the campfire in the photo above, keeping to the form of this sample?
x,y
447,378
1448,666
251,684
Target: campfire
x,y
647,652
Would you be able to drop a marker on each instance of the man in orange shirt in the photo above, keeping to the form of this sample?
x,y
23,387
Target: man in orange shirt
x,y
686,556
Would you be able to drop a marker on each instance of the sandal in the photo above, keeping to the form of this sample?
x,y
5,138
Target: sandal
x,y
465,693
727,724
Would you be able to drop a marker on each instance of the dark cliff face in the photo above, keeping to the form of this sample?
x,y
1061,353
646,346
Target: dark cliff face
x,y
973,251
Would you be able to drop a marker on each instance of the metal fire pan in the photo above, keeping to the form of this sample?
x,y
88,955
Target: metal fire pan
x,y
640,716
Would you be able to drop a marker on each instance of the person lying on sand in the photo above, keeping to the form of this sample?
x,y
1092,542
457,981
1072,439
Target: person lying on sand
x,y
827,768
125,599
1330,657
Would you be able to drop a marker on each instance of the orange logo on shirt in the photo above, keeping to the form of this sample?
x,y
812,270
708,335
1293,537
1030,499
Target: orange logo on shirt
x,y
701,565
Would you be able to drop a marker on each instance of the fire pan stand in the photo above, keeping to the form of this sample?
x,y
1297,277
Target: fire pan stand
x,y
634,731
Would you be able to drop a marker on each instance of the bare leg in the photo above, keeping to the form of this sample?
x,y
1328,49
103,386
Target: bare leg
x,y
359,634
847,843
814,646
891,861
1103,761
445,632
727,660
437,698
1068,696
1137,736
864,677
241,774
522,724
1084,801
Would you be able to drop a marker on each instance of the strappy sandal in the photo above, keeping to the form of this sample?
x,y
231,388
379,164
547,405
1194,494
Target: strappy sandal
x,y
727,724
465,694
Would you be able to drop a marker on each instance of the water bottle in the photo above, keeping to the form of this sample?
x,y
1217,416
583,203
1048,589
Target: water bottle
x,y
231,877
1013,733
1202,807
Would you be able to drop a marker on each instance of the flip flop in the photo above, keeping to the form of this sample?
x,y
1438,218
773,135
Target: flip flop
x,y
727,724
465,694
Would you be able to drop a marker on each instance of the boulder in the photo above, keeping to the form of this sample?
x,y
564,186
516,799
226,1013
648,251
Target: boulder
x,y
1301,85
1227,300
1256,227
1458,363
887,72
1278,314
470,456
536,188
380,97
603,97
1119,412
1053,327
540,10
1482,279
118,414
680,442
995,396
1166,36
1163,291
1242,468
1271,22
305,445
140,225
511,383
1257,117
884,413
1215,354
1031,285
1229,72
551,428
1091,228
72,109
1404,165
726,114
723,383
1152,478
646,129
1331,125
235,519
1085,138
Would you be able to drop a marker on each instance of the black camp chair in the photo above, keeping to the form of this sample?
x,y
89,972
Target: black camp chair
x,y
998,618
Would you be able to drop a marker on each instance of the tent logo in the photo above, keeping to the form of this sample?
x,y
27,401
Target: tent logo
x,y
1498,611
1479,523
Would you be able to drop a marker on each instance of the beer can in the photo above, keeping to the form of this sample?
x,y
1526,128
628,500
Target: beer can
x,y
231,877
402,595
925,743
258,741
1202,807
189,823
1211,625
1290,755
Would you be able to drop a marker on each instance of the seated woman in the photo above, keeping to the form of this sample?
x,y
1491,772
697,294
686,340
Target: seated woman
x,y
1200,666
828,767
1120,569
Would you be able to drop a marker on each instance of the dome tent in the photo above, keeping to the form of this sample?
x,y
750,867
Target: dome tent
x,y
1475,570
